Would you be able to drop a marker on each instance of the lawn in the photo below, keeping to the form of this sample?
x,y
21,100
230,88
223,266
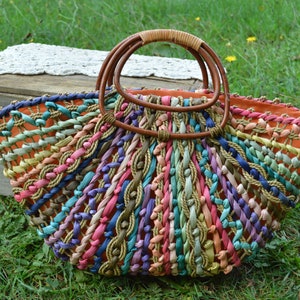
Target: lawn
x,y
258,42
259,38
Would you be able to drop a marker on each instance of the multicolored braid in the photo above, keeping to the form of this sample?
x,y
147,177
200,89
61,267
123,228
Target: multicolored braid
x,y
118,202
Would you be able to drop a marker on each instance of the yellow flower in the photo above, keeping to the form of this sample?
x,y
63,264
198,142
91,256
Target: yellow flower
x,y
251,39
197,19
230,58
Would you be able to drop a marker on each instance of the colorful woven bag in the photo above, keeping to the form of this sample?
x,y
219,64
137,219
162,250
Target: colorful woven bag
x,y
153,182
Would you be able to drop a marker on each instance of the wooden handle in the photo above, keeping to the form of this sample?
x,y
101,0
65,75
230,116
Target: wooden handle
x,y
190,42
115,61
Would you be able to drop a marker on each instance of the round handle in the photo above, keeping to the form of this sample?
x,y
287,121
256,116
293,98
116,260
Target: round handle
x,y
115,61
112,52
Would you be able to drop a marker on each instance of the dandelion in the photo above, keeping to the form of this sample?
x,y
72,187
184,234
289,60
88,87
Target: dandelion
x,y
197,19
230,58
251,39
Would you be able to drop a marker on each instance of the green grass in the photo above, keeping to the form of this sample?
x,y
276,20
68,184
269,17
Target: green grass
x,y
269,66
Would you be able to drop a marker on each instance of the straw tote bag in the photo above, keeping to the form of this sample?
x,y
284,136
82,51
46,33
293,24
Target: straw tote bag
x,y
154,182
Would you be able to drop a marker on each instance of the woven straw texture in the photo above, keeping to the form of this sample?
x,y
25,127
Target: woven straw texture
x,y
116,201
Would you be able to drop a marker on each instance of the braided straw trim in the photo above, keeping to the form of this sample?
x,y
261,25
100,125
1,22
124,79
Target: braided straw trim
x,y
99,191
240,206
272,144
66,162
213,247
161,186
38,156
132,199
209,192
92,202
141,161
194,227
95,230
58,171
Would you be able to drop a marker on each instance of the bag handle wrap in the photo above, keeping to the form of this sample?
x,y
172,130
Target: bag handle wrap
x,y
169,35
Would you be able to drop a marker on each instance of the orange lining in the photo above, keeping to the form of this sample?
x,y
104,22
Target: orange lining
x,y
239,101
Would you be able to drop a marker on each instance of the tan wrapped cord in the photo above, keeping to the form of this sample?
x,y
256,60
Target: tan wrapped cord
x,y
170,35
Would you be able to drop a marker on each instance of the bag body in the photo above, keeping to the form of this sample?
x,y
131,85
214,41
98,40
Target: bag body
x,y
153,182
